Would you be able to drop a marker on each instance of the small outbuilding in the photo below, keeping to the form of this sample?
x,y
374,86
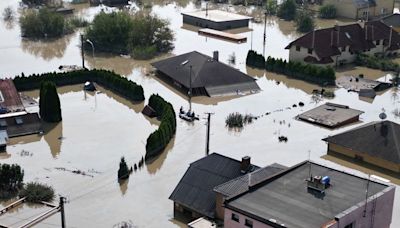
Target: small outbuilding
x,y
216,19
206,75
376,143
356,84
331,115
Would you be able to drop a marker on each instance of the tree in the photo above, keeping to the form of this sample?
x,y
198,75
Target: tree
x,y
123,171
304,22
49,103
8,14
36,192
11,177
42,24
327,11
271,6
287,10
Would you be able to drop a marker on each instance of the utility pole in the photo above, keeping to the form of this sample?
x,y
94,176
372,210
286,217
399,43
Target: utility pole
x,y
265,31
208,132
62,201
82,52
190,88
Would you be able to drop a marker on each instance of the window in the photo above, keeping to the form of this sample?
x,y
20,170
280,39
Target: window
x,y
297,48
235,217
310,51
248,223
378,42
18,120
351,225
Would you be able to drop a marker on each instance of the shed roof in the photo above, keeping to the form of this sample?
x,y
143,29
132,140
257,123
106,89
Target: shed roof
x,y
377,139
330,114
357,84
195,189
205,71
285,198
217,15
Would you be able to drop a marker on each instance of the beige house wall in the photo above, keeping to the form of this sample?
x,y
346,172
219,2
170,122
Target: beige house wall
x,y
344,8
347,9
365,157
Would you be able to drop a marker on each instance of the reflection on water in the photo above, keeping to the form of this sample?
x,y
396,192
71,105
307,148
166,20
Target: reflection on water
x,y
46,49
155,164
123,185
53,135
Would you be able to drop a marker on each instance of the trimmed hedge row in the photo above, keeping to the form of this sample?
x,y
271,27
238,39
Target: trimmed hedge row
x,y
159,139
377,63
108,79
311,73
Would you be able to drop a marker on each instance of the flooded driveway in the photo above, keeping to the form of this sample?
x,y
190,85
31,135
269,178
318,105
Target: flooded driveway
x,y
97,129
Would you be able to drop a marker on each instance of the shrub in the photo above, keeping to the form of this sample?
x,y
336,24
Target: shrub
x,y
271,6
36,192
8,14
377,63
146,52
287,10
159,139
11,177
237,120
49,103
304,22
327,11
42,24
108,79
254,59
78,22
123,171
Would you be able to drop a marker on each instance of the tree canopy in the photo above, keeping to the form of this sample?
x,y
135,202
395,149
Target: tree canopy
x,y
140,35
304,22
123,171
49,103
287,10
327,11
42,24
11,177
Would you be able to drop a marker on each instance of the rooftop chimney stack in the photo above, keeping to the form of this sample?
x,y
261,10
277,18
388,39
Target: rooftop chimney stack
x,y
245,164
215,56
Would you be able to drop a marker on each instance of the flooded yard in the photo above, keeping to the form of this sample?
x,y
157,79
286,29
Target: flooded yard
x,y
98,128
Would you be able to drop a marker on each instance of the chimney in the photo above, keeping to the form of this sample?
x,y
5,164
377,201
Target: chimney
x,y
332,38
313,40
390,36
215,55
366,32
245,164
338,34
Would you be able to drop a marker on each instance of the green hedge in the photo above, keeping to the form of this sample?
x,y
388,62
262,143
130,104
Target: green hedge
x,y
311,73
108,79
159,139
376,63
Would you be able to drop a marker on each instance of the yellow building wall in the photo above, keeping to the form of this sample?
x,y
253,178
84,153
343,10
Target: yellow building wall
x,y
366,158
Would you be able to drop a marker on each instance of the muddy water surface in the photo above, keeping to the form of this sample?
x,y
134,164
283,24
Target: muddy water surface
x,y
97,129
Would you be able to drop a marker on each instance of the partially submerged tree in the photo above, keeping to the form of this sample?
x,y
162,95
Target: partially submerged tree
x,y
327,11
49,103
42,24
8,14
36,192
287,10
123,171
304,22
11,177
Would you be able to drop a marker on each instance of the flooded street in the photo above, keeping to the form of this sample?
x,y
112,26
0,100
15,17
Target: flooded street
x,y
98,128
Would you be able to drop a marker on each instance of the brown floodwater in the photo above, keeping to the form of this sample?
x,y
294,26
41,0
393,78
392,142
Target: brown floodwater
x,y
98,128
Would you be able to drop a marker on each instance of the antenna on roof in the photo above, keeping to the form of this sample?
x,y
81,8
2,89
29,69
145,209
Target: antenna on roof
x,y
206,9
366,196
309,165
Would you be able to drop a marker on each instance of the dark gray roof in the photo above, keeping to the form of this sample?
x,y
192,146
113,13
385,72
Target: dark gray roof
x,y
392,20
284,198
377,139
330,114
25,124
206,72
242,184
195,189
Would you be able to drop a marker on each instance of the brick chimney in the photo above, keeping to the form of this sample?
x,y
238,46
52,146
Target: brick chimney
x,y
245,164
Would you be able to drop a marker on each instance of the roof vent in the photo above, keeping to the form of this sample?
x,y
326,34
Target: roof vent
x,y
215,56
318,183
245,164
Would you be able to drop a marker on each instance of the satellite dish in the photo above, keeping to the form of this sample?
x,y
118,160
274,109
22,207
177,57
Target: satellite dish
x,y
383,115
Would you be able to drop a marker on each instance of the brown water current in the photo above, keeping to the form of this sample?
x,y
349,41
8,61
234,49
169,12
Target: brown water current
x,y
98,128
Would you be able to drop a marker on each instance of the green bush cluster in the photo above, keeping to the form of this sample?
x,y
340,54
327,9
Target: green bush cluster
x,y
49,103
43,23
311,73
139,35
36,192
327,11
376,63
287,10
159,139
255,60
108,79
123,171
304,22
11,177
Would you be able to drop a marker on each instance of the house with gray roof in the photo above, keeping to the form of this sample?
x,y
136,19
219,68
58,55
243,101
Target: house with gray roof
x,y
314,196
206,75
361,9
376,143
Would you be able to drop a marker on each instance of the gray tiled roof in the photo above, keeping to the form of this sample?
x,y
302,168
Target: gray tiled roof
x,y
377,139
195,189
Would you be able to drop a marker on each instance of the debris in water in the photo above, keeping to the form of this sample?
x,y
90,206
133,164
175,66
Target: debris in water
x,y
283,139
301,104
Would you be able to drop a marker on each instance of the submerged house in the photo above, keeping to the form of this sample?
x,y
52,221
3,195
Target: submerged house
x,y
361,9
341,44
313,196
376,143
206,75
216,19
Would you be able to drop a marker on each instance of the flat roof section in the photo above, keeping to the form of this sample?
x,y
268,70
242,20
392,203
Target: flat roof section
x,y
217,15
331,115
285,198
356,84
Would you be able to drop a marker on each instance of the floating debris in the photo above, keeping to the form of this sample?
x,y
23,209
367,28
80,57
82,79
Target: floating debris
x,y
237,120
301,104
282,139
76,171
294,106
